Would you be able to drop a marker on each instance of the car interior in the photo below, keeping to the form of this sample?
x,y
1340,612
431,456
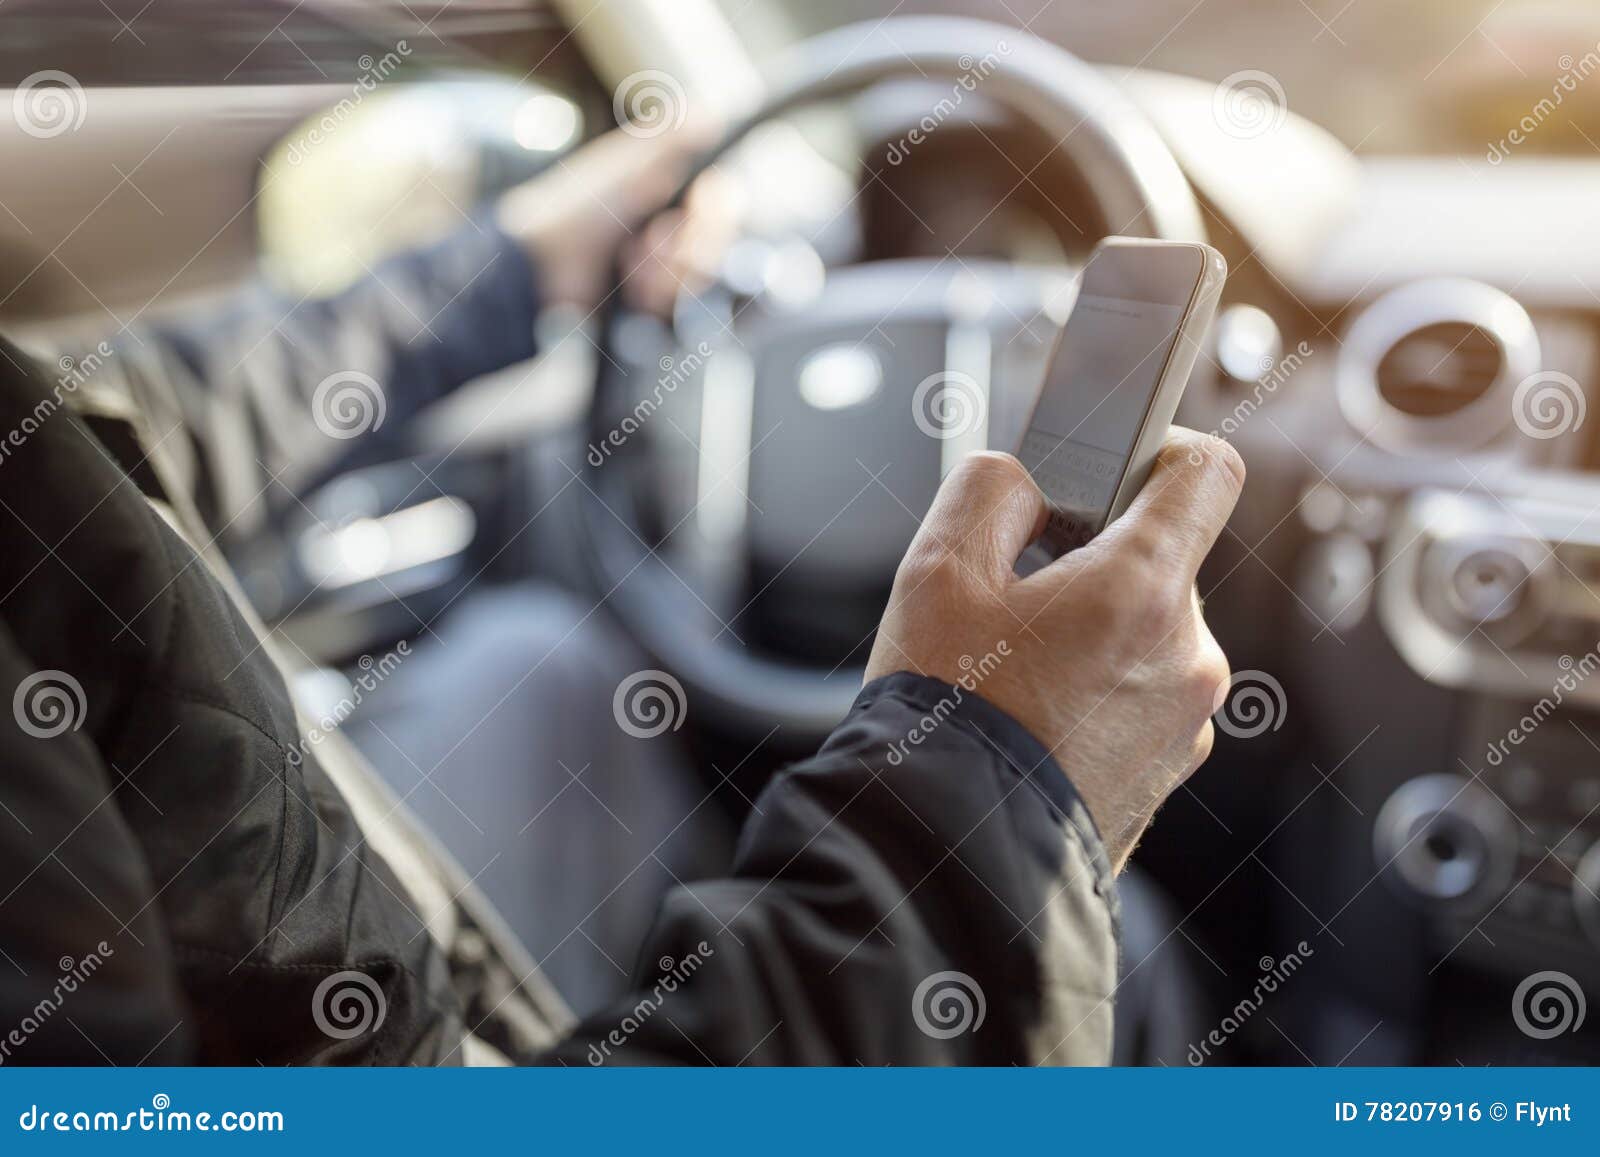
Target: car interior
x,y
1406,795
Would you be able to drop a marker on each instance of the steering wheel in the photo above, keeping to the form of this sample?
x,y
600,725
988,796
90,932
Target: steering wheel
x,y
829,403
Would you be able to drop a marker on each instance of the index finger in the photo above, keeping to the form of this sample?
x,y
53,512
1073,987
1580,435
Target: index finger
x,y
985,514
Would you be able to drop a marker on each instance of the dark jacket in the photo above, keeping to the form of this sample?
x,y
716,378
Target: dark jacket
x,y
185,878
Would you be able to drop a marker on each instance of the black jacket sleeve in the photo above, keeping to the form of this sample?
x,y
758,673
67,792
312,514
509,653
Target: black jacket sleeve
x,y
929,889
87,974
263,393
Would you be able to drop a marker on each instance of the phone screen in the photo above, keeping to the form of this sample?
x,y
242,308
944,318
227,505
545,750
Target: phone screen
x,y
1100,384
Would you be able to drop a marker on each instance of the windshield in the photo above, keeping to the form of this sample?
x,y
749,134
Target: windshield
x,y
1385,76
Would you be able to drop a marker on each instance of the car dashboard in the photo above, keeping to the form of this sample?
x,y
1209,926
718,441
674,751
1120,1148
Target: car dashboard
x,y
1407,358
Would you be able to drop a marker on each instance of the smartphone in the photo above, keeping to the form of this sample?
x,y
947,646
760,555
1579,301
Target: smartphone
x,y
1114,380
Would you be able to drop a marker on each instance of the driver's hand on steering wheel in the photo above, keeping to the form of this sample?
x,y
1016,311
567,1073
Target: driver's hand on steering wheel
x,y
576,218
1107,659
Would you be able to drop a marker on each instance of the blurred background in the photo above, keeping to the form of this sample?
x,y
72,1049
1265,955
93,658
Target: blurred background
x,y
1405,792
1417,76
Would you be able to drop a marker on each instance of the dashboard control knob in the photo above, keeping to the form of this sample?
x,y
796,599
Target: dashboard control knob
x,y
1485,581
1335,580
1446,839
1485,584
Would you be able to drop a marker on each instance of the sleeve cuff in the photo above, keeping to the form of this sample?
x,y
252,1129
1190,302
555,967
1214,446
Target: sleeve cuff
x,y
1002,735
482,291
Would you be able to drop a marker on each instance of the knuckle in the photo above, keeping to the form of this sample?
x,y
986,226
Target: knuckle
x,y
1218,674
994,468
1137,553
1209,677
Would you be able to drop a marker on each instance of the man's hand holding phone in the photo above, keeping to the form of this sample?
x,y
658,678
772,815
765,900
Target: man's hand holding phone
x,y
1108,661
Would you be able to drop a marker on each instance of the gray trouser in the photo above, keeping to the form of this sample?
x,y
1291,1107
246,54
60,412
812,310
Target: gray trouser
x,y
501,729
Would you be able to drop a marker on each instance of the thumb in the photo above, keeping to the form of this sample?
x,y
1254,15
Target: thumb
x,y
1182,509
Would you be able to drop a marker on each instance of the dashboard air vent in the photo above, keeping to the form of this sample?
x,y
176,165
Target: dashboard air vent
x,y
1431,366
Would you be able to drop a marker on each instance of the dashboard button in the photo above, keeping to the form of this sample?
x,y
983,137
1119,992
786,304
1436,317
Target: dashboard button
x,y
1446,839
